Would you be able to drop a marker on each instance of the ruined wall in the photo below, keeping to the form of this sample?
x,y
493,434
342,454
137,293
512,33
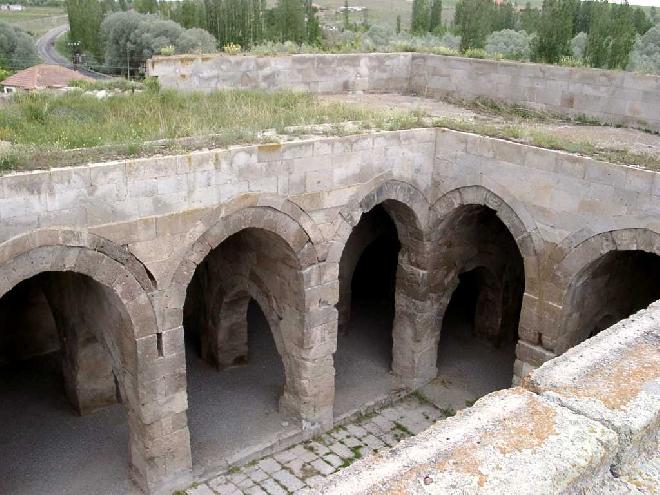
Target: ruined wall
x,y
617,97
584,422
142,227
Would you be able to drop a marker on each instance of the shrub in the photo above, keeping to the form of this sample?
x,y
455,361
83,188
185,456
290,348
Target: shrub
x,y
572,62
514,45
475,53
579,45
645,55
231,49
451,41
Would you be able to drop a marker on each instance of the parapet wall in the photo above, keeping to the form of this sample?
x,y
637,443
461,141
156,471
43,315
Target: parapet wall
x,y
622,98
581,423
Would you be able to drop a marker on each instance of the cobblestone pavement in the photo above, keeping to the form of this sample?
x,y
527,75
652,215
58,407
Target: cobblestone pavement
x,y
305,465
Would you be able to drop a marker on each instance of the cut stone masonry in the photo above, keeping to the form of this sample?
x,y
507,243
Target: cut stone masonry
x,y
144,235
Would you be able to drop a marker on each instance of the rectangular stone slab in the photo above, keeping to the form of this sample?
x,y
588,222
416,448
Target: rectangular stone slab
x,y
612,378
511,441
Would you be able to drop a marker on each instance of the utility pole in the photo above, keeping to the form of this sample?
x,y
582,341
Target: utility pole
x,y
128,62
74,46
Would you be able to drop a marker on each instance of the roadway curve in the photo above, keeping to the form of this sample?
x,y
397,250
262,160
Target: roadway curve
x,y
48,53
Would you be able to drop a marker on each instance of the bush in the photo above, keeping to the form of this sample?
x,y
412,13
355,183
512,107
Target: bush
x,y
579,45
196,40
16,47
645,55
451,41
514,45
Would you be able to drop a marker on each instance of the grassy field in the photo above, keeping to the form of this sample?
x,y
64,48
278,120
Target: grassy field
x,y
35,20
41,126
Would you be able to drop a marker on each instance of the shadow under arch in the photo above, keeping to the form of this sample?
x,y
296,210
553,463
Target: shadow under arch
x,y
256,254
605,278
380,248
99,297
481,281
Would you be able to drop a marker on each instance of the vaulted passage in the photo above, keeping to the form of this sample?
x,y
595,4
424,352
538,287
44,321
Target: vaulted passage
x,y
608,290
481,276
367,278
63,428
242,313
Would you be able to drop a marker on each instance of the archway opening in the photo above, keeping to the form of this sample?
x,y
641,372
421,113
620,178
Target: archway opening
x,y
607,290
65,429
240,304
367,283
481,261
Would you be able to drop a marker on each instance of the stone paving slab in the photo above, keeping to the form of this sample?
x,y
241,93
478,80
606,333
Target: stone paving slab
x,y
613,378
307,465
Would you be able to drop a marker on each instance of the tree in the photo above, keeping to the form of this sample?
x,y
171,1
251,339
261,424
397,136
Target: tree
x,y
529,18
611,35
622,33
645,55
472,21
653,14
514,45
641,21
505,17
85,18
290,21
196,40
420,21
16,48
313,26
436,16
555,30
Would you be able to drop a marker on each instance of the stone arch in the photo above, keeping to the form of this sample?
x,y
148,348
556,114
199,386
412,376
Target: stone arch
x,y
301,354
408,209
258,217
579,256
134,346
447,210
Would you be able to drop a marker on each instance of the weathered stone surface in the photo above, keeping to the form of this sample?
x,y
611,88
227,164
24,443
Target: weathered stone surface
x,y
613,378
509,442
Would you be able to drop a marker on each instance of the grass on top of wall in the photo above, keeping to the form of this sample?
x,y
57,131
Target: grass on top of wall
x,y
41,127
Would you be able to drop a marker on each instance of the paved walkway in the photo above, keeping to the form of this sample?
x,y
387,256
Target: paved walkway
x,y
305,465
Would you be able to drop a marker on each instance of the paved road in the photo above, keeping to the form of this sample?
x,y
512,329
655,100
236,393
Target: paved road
x,y
48,53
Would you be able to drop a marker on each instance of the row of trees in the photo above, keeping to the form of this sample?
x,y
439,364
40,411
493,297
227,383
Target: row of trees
x,y
609,29
242,22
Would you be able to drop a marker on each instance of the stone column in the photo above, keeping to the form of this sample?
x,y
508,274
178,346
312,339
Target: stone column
x,y
157,401
415,335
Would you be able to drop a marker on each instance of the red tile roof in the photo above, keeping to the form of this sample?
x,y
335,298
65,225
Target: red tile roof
x,y
44,76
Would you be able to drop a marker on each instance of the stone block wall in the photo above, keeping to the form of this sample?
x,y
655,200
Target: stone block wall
x,y
581,423
617,97
141,228
314,73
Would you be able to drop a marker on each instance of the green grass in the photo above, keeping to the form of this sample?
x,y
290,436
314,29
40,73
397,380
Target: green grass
x,y
36,20
44,128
